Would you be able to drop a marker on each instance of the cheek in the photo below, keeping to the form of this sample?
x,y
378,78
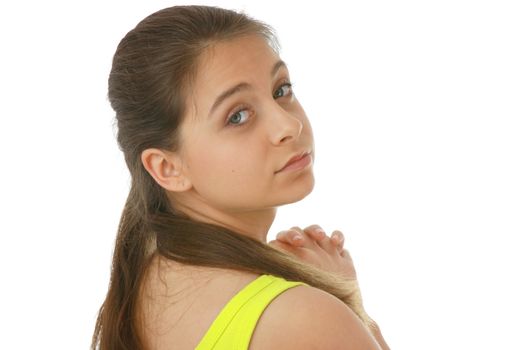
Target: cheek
x,y
227,164
231,177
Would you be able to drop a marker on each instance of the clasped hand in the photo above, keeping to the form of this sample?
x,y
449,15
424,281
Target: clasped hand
x,y
314,247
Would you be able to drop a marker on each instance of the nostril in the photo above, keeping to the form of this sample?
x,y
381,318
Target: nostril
x,y
286,138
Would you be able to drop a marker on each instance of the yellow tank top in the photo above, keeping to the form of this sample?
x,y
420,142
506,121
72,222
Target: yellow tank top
x,y
234,326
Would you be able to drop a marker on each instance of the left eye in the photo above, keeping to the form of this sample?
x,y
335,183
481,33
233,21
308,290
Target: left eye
x,y
283,90
238,117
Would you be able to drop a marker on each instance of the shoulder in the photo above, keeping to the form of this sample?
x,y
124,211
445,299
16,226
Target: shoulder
x,y
304,317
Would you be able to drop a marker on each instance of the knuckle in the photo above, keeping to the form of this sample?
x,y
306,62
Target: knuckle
x,y
316,232
282,235
290,236
293,233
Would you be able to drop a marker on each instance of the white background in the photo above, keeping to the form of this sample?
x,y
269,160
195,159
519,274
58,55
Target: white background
x,y
418,110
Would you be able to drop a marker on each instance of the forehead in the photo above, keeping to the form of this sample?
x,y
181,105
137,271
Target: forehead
x,y
245,59
236,58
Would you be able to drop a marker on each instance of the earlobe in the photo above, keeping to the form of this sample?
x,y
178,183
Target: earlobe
x,y
166,169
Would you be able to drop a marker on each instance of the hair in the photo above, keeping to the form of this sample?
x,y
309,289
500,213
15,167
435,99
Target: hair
x,y
148,85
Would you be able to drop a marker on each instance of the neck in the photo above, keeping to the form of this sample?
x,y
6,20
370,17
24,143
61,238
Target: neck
x,y
253,223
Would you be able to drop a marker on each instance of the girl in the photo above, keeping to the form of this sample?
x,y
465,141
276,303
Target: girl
x,y
215,141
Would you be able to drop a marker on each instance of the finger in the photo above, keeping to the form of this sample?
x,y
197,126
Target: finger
x,y
291,237
316,232
298,236
338,239
327,245
346,254
283,247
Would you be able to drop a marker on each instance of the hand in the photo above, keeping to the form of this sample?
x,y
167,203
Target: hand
x,y
316,248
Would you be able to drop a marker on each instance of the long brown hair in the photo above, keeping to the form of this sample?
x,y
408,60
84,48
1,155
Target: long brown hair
x,y
149,81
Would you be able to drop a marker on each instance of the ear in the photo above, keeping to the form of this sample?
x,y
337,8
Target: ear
x,y
166,168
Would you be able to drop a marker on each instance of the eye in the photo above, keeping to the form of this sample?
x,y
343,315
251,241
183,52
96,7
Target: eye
x,y
283,90
239,117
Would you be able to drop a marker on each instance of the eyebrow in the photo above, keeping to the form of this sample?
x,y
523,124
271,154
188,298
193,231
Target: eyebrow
x,y
240,87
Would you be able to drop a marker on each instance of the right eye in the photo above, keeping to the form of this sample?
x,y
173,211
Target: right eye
x,y
238,118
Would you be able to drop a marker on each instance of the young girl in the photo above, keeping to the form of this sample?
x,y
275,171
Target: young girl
x,y
215,141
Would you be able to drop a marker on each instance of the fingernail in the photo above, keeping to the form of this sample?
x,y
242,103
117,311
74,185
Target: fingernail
x,y
297,237
320,231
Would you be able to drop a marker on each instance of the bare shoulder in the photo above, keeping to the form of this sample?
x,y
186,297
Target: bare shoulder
x,y
305,317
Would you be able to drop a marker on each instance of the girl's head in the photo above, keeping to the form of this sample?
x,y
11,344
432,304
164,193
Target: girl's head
x,y
206,114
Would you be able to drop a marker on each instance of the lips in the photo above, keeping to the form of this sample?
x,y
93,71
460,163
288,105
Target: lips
x,y
295,158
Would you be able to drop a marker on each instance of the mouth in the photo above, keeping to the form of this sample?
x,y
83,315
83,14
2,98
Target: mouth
x,y
297,162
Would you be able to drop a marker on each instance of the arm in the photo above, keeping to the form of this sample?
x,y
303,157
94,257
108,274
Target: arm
x,y
307,318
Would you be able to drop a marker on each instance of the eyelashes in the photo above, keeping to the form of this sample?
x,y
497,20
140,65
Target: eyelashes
x,y
242,113
288,87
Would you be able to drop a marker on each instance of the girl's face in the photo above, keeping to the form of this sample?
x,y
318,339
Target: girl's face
x,y
243,125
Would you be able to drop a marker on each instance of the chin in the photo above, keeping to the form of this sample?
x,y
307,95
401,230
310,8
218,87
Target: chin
x,y
298,192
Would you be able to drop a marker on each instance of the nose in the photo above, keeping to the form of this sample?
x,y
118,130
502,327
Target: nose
x,y
283,126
